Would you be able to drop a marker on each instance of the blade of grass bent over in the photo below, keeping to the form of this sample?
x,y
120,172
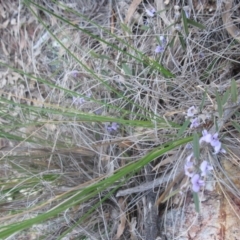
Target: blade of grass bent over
x,y
92,190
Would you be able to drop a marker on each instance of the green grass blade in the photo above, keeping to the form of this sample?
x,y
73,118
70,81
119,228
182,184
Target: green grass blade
x,y
219,104
92,190
195,24
234,92
185,23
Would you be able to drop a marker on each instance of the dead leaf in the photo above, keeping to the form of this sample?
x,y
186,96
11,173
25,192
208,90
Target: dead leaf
x,y
132,9
231,28
122,224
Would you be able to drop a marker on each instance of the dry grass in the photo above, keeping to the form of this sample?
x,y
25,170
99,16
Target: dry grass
x,y
50,155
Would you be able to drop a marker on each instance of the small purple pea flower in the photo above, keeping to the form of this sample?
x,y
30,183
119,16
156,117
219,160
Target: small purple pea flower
x,y
191,111
151,12
205,168
196,183
159,49
77,101
213,140
113,127
194,123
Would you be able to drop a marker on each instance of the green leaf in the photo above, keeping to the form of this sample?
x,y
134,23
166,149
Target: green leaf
x,y
196,150
236,126
234,92
219,103
99,56
225,97
185,23
183,128
196,24
87,193
203,100
196,202
127,69
145,28
182,40
172,41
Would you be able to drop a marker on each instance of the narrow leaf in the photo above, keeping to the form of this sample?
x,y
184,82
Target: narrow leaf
x,y
182,41
203,100
196,24
127,69
219,103
236,126
183,128
234,92
185,23
225,97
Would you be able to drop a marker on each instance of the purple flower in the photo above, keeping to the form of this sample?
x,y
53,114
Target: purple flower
x,y
74,73
213,140
205,168
159,49
77,101
206,137
196,183
163,40
113,127
151,12
194,123
191,111
188,167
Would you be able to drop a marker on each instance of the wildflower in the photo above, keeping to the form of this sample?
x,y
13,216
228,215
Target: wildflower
x,y
74,73
80,100
191,111
188,167
113,127
163,40
196,183
213,140
194,123
151,12
206,137
205,168
159,49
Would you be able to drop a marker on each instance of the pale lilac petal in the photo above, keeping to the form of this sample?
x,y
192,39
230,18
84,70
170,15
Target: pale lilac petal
x,y
115,126
162,40
188,167
207,138
205,168
191,111
151,12
159,49
194,123
223,150
205,132
196,183
189,157
215,136
217,148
